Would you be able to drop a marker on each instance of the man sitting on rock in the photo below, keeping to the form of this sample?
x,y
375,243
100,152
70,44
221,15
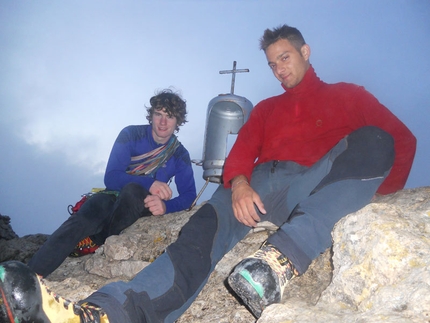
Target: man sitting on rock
x,y
303,160
143,160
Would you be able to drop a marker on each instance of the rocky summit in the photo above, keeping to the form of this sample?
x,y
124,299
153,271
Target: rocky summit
x,y
378,269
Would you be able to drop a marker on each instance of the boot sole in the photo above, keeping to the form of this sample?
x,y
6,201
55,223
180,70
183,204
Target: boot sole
x,y
249,295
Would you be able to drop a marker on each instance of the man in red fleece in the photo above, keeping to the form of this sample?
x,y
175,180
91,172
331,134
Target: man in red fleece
x,y
303,160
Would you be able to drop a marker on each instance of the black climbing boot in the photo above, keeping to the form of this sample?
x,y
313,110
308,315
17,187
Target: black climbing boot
x,y
260,279
25,298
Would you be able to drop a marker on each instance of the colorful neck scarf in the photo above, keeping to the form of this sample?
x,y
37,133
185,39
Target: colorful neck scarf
x,y
148,163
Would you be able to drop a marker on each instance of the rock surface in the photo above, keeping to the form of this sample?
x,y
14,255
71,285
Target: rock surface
x,y
377,271
6,231
13,247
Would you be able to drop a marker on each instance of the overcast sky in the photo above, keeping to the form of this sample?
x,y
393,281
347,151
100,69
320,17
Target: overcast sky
x,y
74,73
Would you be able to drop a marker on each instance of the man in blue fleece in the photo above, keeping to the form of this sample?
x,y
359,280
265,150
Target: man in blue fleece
x,y
143,161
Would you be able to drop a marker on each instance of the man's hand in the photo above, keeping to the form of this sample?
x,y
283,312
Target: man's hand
x,y
155,204
243,200
162,190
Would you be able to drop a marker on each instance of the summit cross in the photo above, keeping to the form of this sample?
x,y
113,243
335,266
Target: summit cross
x,y
233,72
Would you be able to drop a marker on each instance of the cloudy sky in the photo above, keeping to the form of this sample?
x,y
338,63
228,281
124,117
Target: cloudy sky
x,y
74,73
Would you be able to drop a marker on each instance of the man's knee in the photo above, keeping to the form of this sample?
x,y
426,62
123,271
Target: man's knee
x,y
131,187
369,153
372,146
133,190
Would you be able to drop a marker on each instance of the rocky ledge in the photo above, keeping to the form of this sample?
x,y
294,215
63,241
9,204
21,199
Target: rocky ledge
x,y
378,269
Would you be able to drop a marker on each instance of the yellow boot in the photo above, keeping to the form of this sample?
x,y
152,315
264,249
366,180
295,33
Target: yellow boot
x,y
25,298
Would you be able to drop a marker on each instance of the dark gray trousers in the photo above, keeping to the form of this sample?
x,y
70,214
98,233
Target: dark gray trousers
x,y
101,216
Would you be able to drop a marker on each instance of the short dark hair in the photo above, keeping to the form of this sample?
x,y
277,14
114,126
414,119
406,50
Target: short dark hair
x,y
170,102
293,35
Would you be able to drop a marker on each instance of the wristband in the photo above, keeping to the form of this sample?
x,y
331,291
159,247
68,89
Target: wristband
x,y
239,182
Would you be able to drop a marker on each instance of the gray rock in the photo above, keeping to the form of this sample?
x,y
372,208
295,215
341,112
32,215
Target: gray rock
x,y
21,249
6,231
381,259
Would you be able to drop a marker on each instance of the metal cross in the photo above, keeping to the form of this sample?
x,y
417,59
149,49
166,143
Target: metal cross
x,y
233,72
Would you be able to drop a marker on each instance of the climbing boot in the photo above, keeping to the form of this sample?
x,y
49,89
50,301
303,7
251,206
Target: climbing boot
x,y
84,247
260,279
24,297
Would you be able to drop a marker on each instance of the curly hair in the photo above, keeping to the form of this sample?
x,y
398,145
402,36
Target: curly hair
x,y
169,102
293,35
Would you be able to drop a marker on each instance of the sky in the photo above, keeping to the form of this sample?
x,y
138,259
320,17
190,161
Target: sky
x,y
74,73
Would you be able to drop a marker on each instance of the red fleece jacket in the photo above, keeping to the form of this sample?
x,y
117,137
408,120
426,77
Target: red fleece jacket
x,y
305,122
